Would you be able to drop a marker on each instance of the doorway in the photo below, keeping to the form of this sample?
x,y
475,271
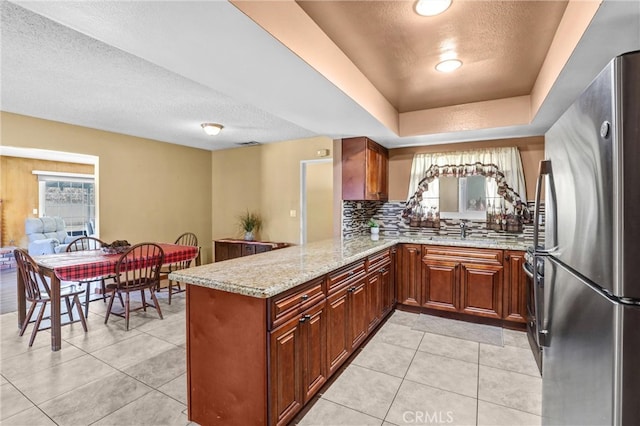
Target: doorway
x,y
316,200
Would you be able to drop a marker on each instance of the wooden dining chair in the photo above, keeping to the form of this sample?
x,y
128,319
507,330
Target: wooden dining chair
x,y
138,269
186,239
38,293
91,243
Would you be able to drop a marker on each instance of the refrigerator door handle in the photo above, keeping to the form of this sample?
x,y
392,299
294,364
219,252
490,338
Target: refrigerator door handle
x,y
545,170
539,333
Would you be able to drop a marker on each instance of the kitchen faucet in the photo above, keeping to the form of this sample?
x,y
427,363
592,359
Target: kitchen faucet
x,y
463,229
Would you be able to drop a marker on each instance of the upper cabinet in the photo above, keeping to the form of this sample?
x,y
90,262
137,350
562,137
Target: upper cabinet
x,y
365,170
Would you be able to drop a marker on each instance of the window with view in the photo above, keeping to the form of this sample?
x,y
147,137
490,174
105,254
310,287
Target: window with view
x,y
70,196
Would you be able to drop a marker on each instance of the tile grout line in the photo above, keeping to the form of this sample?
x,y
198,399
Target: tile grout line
x,y
404,377
478,389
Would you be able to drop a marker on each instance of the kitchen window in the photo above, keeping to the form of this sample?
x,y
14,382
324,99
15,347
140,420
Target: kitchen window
x,y
463,185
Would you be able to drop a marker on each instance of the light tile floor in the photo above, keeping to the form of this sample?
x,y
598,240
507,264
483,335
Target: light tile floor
x,y
405,376
109,376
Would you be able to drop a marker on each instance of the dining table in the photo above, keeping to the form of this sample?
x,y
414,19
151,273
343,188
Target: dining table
x,y
83,265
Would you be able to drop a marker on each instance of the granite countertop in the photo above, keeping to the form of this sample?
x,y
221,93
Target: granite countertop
x,y
268,274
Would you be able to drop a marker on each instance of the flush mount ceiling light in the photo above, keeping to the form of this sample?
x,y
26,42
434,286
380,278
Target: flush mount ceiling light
x,y
431,7
211,129
449,65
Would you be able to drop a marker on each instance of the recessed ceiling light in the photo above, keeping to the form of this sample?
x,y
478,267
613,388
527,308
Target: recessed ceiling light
x,y
449,65
431,7
211,129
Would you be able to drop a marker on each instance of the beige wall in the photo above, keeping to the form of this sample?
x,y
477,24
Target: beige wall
x,y
20,192
531,152
148,190
264,179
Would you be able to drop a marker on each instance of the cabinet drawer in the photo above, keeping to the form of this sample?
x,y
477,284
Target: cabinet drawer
x,y
463,254
378,260
337,278
291,303
248,249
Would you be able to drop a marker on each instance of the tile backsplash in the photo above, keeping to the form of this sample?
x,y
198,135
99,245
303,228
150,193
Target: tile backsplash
x,y
356,214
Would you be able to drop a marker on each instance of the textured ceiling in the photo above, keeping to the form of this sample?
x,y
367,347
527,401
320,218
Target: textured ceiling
x,y
158,69
501,43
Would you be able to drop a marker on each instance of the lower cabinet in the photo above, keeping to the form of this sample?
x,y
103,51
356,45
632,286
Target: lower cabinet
x,y
480,282
298,366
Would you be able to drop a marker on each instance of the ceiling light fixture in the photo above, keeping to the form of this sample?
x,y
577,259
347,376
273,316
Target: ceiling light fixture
x,y
449,65
431,7
211,129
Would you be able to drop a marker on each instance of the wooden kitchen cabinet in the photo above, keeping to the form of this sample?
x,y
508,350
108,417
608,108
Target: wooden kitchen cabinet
x,y
365,170
440,286
409,274
298,366
515,287
228,248
480,282
347,313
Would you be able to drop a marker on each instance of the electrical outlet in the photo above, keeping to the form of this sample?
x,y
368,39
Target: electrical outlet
x,y
293,213
35,211
358,206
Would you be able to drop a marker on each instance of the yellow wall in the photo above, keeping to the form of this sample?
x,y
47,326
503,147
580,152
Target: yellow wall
x,y
20,192
264,179
148,190
531,152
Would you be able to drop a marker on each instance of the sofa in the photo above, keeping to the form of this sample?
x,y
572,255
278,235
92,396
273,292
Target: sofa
x,y
47,235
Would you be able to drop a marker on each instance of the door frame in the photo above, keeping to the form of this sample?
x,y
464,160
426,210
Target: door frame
x,y
303,194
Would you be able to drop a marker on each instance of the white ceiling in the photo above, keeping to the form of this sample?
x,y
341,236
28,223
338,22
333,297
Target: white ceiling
x,y
158,69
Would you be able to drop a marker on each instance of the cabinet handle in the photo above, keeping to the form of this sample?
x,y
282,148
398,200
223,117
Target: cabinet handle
x,y
304,318
351,289
304,297
507,257
351,273
383,270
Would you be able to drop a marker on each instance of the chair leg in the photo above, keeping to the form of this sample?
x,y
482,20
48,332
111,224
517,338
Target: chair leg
x,y
126,311
25,324
144,301
104,291
155,301
170,287
79,308
36,326
121,301
113,296
86,300
69,310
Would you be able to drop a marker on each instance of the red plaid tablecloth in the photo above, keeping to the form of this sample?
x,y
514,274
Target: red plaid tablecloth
x,y
82,265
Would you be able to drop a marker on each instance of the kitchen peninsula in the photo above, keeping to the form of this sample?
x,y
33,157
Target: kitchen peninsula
x,y
264,335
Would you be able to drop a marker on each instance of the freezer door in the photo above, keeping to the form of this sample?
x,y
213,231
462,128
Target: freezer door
x,y
578,362
579,224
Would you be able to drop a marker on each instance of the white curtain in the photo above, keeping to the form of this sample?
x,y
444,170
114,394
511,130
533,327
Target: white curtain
x,y
506,159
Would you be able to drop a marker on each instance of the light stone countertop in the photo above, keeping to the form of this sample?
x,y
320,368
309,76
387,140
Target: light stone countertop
x,y
268,274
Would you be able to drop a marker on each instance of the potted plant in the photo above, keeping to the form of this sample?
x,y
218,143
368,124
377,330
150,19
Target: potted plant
x,y
374,226
250,223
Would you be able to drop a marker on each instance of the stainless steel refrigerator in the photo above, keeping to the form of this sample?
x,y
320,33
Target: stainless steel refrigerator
x,y
588,286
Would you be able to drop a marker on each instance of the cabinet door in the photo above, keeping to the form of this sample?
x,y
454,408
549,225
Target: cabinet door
x,y
314,354
515,287
481,288
235,250
248,249
409,274
387,289
358,313
222,251
440,289
374,302
285,372
261,248
338,343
